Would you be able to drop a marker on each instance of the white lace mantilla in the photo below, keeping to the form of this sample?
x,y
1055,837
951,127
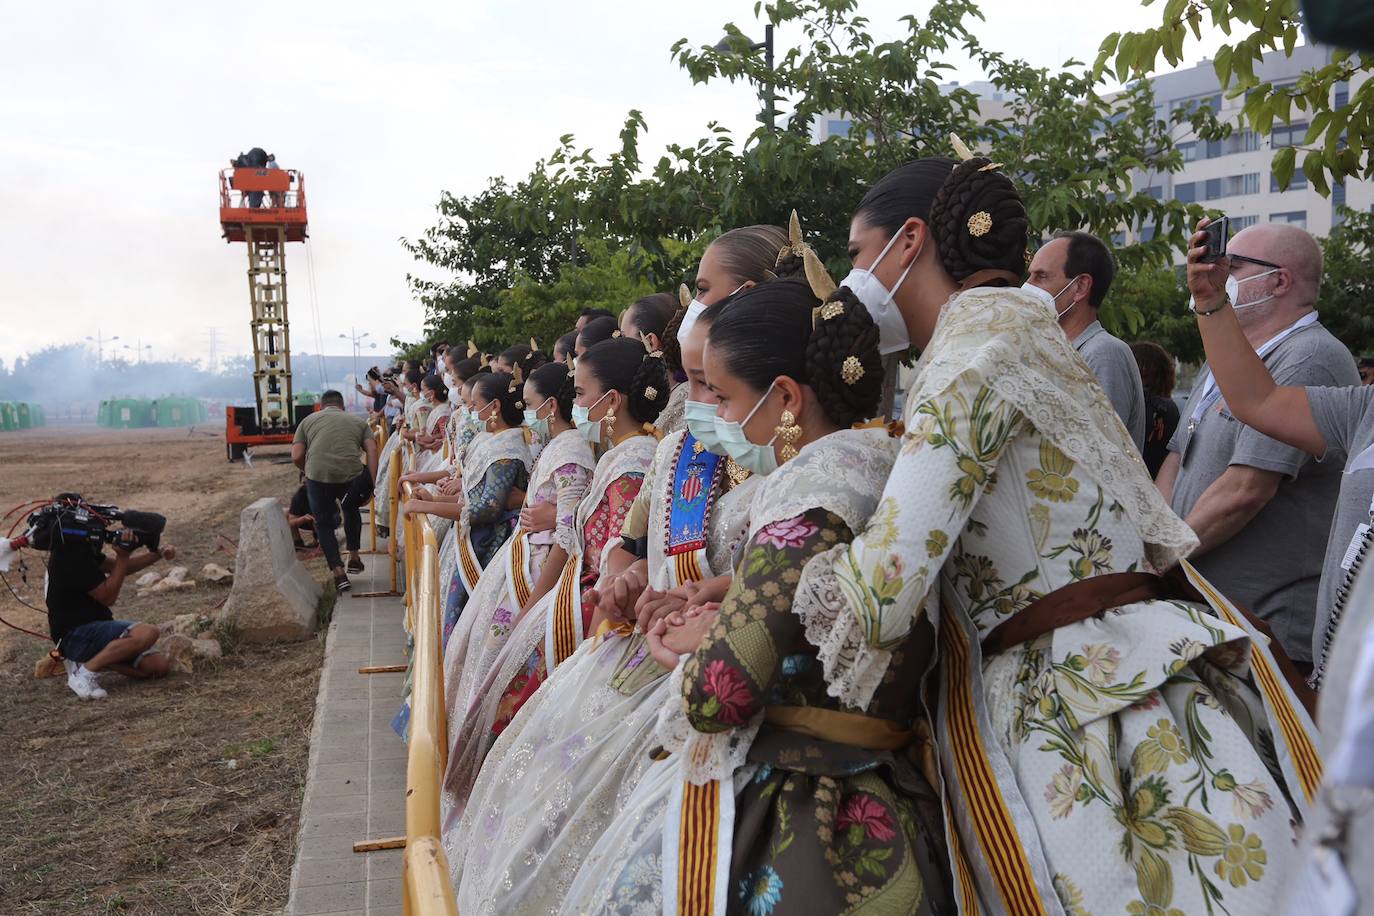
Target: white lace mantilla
x,y
1011,342
841,473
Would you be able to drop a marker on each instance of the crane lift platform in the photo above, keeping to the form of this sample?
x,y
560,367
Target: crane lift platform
x,y
265,208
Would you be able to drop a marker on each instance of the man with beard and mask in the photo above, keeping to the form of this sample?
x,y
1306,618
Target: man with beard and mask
x,y
1260,508
1074,270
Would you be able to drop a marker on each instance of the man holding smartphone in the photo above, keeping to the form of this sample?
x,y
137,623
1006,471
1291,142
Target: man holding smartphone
x,y
1260,508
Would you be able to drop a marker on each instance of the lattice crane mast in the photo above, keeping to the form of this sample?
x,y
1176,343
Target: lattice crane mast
x,y
265,209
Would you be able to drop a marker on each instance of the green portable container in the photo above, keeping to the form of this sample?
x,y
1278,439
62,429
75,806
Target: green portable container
x,y
129,413
8,419
173,412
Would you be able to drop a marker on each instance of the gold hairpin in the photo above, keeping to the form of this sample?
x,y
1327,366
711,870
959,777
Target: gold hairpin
x,y
651,393
472,349
980,224
965,154
615,334
832,310
534,346
684,295
851,370
484,361
795,245
822,286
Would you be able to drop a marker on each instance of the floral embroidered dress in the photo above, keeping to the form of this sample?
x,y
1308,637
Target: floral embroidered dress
x,y
1147,760
495,466
567,763
555,623
561,476
774,798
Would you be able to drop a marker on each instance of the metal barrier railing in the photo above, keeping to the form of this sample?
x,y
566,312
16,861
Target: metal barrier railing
x,y
427,888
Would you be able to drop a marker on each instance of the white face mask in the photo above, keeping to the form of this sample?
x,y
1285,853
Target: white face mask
x,y
694,310
1051,300
537,426
758,459
701,423
589,428
893,336
1233,290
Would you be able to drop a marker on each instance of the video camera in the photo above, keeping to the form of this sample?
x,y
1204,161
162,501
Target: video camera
x,y
69,520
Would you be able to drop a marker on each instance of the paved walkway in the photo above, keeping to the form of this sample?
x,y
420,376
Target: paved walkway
x,y
355,788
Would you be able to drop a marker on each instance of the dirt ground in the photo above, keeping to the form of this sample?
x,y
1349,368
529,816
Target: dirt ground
x,y
130,804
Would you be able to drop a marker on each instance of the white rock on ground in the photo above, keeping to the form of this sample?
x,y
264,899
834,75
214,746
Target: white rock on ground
x,y
215,573
179,651
274,596
147,579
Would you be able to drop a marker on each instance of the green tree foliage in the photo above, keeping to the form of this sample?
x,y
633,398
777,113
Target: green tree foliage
x,y
1157,295
1339,137
1348,282
1071,148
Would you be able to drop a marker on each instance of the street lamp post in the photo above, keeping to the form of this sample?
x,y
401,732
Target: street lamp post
x,y
99,341
138,350
724,46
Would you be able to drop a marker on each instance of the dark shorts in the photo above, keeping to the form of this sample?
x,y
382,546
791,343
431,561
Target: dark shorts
x,y
85,642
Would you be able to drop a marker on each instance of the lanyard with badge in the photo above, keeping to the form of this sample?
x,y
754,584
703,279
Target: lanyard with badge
x,y
1211,393
1351,560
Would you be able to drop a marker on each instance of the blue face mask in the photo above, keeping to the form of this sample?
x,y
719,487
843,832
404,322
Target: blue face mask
x,y
589,428
758,459
701,423
537,426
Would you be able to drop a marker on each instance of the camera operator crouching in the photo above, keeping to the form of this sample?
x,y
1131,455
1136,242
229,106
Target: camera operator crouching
x,y
83,583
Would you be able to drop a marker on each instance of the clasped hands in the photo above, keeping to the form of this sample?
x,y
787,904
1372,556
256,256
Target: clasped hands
x,y
674,621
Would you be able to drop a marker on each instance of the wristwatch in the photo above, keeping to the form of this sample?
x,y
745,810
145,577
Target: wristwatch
x,y
1225,301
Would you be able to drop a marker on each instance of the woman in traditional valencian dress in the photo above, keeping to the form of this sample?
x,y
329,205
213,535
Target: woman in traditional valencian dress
x,y
1106,749
773,797
654,320
558,483
618,388
496,467
534,811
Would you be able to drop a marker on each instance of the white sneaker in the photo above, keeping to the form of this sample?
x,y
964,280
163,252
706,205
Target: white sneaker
x,y
83,683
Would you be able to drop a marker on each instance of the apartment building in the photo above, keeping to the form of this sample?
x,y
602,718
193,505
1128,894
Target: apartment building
x,y
1231,175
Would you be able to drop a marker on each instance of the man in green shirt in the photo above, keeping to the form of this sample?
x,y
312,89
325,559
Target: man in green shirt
x,y
330,447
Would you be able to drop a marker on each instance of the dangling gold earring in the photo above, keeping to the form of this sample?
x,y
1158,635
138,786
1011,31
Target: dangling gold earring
x,y
609,422
789,432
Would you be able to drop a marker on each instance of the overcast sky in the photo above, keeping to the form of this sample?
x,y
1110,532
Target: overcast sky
x,y
115,118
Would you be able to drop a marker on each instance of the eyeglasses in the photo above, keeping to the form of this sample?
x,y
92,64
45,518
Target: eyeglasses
x,y
1260,261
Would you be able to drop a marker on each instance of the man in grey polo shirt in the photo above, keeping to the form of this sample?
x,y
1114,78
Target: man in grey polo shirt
x,y
1076,269
1262,509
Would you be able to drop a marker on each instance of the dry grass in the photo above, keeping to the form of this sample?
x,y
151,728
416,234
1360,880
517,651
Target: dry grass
x,y
128,805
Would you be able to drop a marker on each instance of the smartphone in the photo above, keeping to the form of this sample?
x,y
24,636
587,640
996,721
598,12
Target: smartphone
x,y
1218,231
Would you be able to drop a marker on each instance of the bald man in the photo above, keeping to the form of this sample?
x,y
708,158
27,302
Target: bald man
x,y
1262,509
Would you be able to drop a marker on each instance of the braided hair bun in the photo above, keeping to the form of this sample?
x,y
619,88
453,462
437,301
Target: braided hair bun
x,y
623,365
979,222
843,365
769,332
